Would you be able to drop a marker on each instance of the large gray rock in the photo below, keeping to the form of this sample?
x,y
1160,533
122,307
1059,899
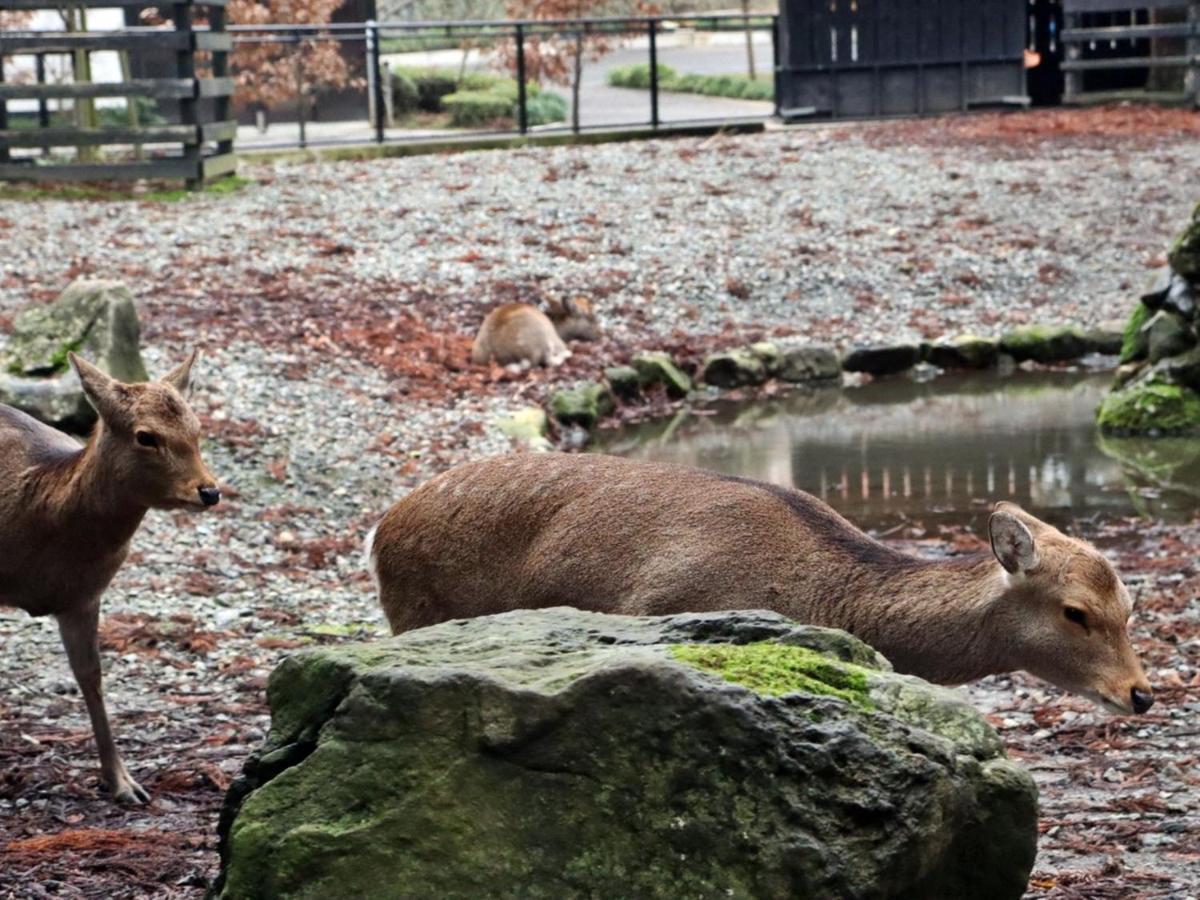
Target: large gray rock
x,y
560,753
96,319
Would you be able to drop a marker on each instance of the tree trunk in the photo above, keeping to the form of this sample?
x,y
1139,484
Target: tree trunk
x,y
749,42
75,21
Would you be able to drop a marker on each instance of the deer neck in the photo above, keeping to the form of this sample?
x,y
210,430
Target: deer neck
x,y
934,619
93,497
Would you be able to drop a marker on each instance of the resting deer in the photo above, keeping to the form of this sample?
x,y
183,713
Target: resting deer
x,y
621,536
68,513
520,334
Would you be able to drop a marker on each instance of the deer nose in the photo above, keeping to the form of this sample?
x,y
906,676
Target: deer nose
x,y
210,496
1142,700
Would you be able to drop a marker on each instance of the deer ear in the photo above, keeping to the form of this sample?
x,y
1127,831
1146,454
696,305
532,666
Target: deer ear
x,y
180,377
102,390
1012,542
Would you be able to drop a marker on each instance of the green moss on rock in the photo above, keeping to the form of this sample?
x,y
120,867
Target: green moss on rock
x,y
659,368
1184,255
1044,343
776,669
1134,342
1150,406
581,405
557,753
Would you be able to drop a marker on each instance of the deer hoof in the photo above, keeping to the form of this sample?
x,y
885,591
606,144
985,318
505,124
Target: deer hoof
x,y
125,790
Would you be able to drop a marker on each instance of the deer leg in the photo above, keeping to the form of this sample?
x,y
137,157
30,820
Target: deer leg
x,y
78,629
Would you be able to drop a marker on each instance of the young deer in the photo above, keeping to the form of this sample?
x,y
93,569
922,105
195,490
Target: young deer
x,y
621,536
68,513
520,334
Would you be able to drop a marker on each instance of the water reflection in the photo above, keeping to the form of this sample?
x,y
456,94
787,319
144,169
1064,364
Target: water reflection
x,y
896,450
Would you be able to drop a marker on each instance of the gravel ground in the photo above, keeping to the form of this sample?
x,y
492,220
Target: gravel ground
x,y
335,304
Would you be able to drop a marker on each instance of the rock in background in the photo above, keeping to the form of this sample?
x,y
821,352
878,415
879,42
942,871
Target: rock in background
x,y
96,319
1158,384
559,753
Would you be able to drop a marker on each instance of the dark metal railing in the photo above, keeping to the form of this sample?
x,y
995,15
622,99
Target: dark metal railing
x,y
518,34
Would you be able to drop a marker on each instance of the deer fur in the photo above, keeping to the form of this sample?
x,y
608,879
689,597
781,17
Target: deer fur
x,y
68,513
623,536
520,334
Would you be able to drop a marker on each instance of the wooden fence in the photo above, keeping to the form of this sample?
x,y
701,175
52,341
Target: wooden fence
x,y
194,146
1130,49
899,57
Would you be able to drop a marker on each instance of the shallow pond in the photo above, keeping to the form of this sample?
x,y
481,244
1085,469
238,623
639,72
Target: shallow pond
x,y
895,451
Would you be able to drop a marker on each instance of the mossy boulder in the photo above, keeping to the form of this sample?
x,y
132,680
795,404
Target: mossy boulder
x,y
1184,255
1045,343
806,363
581,405
527,426
734,368
1150,406
96,319
882,360
560,753
967,351
770,355
623,381
659,368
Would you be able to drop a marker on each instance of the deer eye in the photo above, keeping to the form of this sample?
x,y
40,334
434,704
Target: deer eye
x,y
146,439
1076,615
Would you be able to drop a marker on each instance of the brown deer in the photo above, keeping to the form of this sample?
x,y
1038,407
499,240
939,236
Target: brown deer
x,y
68,513
520,334
622,536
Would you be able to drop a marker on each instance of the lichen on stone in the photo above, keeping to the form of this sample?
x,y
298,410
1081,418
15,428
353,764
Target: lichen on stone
x,y
774,669
1150,407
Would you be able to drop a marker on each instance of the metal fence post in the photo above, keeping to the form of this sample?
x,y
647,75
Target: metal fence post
x,y
4,154
653,73
298,65
373,51
522,100
775,67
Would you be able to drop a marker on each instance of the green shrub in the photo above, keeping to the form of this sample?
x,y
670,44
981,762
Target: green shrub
x,y
734,86
545,107
406,98
638,76
472,108
432,85
118,117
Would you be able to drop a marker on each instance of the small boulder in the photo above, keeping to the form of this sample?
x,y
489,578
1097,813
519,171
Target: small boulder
x,y
659,368
1166,335
805,363
882,360
581,405
967,351
734,369
1184,255
623,380
96,319
1105,339
770,355
528,427
1044,344
562,753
